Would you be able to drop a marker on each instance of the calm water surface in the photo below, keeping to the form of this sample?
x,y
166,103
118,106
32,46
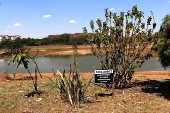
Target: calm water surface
x,y
86,63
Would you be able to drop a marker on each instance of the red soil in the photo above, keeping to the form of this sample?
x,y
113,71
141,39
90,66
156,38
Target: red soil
x,y
87,75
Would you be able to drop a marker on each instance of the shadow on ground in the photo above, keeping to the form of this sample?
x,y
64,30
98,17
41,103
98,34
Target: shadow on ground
x,y
21,78
162,88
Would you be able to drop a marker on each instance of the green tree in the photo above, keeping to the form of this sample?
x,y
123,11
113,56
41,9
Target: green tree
x,y
163,43
23,57
121,41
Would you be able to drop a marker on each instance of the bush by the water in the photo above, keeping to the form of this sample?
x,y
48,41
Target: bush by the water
x,y
121,41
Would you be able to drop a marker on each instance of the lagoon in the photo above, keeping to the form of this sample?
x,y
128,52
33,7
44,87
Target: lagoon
x,y
86,63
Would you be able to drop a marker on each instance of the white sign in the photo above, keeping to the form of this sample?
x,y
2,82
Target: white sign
x,y
103,71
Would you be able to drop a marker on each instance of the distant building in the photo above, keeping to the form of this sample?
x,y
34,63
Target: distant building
x,y
9,37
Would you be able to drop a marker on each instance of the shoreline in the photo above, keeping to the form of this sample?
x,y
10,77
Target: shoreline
x,y
87,75
57,50
54,50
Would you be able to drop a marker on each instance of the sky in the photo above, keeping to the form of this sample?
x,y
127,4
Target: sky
x,y
39,18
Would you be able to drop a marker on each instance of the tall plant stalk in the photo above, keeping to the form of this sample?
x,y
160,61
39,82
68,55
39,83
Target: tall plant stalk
x,y
71,87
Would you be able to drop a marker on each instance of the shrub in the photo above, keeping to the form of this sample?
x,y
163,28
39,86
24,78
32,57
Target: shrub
x,y
22,57
71,87
121,42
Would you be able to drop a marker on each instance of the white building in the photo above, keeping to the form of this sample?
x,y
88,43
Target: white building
x,y
9,37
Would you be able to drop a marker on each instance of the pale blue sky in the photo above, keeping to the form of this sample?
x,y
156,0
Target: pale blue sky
x,y
38,18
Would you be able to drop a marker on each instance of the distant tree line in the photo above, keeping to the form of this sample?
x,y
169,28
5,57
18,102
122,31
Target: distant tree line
x,y
79,38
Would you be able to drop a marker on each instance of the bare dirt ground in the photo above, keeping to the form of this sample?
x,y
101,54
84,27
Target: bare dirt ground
x,y
150,93
54,50
59,50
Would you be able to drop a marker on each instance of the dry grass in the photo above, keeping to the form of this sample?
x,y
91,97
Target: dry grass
x,y
137,99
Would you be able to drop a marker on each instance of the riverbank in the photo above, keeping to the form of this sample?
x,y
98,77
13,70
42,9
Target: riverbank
x,y
59,50
88,75
55,50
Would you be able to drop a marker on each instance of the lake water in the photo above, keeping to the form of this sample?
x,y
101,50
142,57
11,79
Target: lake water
x,y
86,63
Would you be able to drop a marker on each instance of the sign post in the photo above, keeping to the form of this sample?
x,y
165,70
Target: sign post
x,y
104,77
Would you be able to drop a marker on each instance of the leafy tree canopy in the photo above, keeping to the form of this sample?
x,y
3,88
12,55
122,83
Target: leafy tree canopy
x,y
163,44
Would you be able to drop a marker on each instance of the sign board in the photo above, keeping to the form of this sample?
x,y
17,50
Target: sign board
x,y
104,76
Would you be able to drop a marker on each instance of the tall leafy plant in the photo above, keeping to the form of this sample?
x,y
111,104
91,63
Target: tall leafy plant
x,y
122,42
70,86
